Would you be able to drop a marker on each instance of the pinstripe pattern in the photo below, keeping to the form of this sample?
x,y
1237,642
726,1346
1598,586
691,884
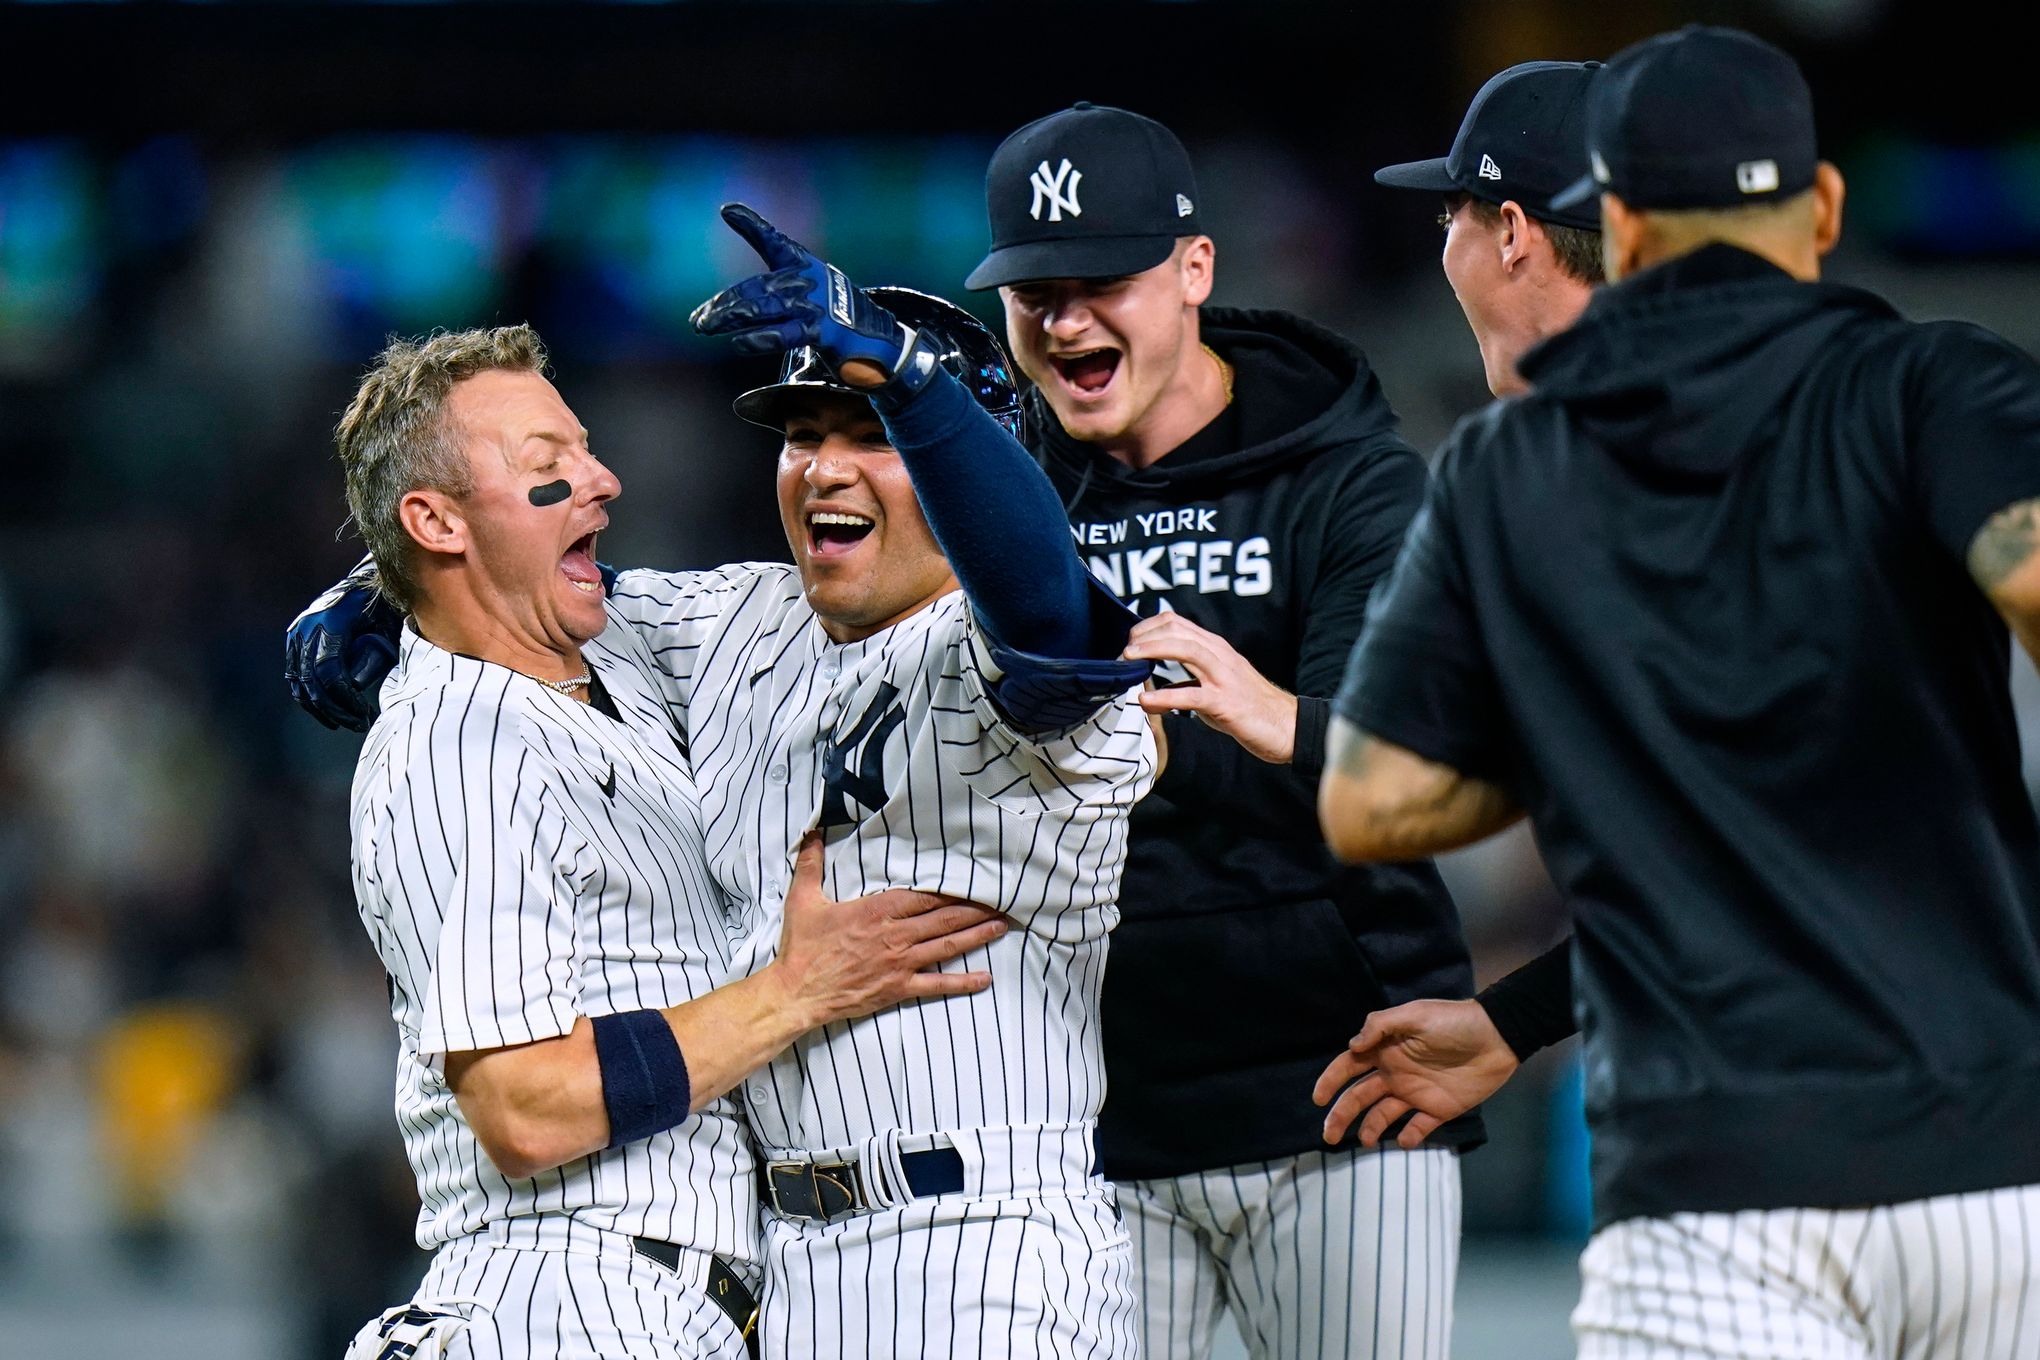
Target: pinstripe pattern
x,y
1339,1254
1037,829
506,894
997,1278
584,1296
951,799
1956,1277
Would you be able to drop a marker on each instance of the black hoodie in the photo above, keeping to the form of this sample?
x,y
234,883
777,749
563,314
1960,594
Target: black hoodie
x,y
1246,956
1700,600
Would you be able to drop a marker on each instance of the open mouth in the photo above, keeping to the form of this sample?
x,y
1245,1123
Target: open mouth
x,y
1088,373
831,533
577,564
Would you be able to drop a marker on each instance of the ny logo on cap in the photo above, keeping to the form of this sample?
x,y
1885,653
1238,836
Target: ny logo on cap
x,y
1058,190
1488,168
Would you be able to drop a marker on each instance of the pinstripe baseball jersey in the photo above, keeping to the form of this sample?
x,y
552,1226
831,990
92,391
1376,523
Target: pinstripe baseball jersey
x,y
520,859
895,747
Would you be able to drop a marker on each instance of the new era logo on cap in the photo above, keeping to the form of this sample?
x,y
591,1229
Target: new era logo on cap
x,y
1120,214
1534,114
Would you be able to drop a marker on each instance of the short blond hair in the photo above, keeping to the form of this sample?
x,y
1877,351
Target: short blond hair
x,y
394,437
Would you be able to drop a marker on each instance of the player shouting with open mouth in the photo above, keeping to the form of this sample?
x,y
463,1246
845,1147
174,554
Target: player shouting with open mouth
x,y
932,1183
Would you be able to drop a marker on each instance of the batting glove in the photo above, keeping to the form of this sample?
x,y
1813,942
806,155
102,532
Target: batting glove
x,y
805,300
337,652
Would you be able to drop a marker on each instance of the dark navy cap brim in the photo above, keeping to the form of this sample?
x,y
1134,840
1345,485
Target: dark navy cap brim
x,y
768,406
1429,175
1071,257
1581,191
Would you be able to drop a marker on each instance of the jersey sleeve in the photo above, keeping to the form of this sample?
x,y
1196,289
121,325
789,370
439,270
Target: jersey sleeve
x,y
1106,757
495,867
1420,676
1973,430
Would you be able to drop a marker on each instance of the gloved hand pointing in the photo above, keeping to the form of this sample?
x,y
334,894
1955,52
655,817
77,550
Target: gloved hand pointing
x,y
805,300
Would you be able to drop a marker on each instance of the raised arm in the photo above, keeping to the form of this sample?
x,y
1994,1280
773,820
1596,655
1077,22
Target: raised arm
x,y
991,508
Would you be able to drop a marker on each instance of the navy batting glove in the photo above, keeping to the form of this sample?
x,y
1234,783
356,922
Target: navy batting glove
x,y
336,653
805,300
608,575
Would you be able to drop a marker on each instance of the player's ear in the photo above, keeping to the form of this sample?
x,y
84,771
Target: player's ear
x,y
433,520
1828,193
1512,238
1195,264
1622,236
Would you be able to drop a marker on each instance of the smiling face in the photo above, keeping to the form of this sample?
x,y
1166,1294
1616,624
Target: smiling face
x,y
866,556
524,564
1116,357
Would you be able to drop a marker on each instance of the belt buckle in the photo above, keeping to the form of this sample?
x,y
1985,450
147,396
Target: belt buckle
x,y
823,1191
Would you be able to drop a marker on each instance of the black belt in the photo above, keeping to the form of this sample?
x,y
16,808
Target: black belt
x,y
825,1191
725,1287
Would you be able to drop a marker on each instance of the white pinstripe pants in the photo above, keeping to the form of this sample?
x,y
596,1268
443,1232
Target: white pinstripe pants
x,y
1042,1278
1322,1256
1956,1277
596,1301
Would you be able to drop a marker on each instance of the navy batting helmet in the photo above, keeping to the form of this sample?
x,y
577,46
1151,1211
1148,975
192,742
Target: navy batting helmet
x,y
971,353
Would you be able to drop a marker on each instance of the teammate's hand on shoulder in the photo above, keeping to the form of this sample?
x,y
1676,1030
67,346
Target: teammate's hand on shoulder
x,y
337,653
805,300
1226,691
840,960
1431,1060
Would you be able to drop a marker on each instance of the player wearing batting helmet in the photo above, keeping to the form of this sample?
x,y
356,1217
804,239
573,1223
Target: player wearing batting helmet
x,y
529,862
931,1182
1722,603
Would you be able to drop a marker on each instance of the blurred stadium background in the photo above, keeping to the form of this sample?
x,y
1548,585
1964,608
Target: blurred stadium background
x,y
211,215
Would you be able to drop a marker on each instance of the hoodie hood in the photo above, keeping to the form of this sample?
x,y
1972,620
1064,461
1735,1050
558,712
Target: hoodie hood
x,y
1681,367
1298,390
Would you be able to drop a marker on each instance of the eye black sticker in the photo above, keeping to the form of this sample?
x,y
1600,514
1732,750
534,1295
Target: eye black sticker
x,y
552,493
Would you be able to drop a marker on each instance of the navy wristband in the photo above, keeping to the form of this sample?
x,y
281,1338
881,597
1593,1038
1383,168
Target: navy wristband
x,y
644,1078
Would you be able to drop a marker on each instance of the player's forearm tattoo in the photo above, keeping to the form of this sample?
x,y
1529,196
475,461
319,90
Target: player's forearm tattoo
x,y
1415,807
2004,543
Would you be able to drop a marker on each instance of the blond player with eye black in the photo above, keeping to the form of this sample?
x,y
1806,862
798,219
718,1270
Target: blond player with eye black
x,y
529,862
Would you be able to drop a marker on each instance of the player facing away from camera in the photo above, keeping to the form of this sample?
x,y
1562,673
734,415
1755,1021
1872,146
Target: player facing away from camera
x,y
528,860
1523,271
931,1179
1240,477
1722,604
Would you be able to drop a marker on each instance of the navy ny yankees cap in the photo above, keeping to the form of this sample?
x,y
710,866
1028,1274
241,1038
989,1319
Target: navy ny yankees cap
x,y
1700,118
1088,193
1524,138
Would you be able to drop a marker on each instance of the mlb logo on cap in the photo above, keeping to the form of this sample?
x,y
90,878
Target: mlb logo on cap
x,y
1700,118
